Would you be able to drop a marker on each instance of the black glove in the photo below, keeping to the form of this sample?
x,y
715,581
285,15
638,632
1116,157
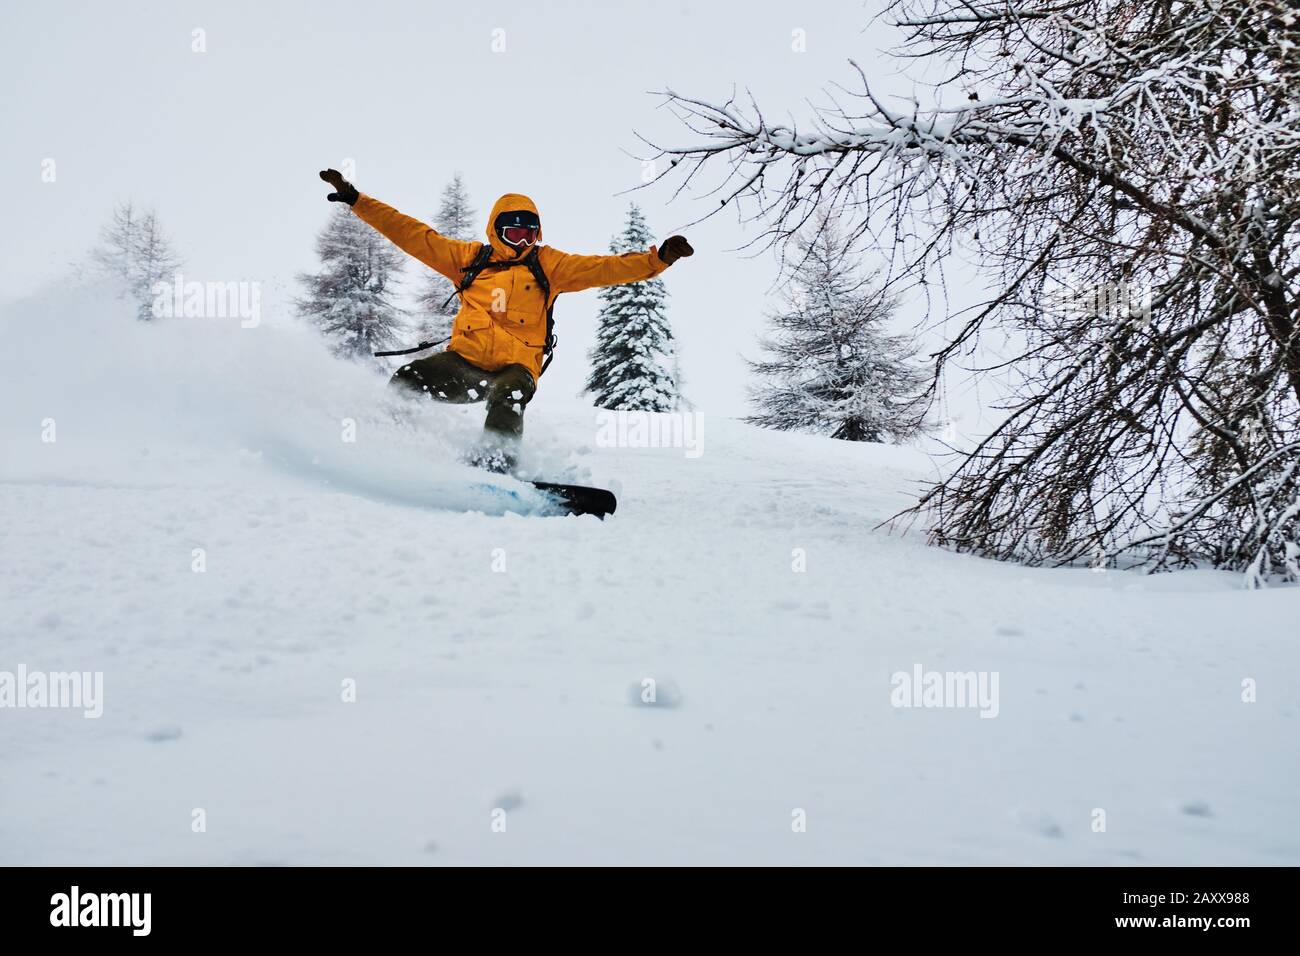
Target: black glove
x,y
673,248
344,191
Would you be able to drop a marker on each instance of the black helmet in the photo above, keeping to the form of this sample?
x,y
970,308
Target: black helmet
x,y
520,217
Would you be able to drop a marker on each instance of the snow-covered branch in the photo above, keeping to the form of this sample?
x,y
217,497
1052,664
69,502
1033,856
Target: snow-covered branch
x,y
1076,146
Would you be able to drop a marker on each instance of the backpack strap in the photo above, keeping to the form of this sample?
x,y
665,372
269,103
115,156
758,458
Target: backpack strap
x,y
415,348
543,283
471,271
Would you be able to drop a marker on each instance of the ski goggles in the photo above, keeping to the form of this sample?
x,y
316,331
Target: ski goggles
x,y
520,235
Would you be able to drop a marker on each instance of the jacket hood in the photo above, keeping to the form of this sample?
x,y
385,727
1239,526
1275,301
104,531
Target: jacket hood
x,y
510,202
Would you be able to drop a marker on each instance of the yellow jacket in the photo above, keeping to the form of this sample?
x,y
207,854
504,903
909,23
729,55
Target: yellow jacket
x,y
502,317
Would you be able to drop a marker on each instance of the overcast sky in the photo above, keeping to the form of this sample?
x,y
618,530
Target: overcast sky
x,y
225,144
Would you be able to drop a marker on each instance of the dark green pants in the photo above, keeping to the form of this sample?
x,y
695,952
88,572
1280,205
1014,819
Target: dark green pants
x,y
446,377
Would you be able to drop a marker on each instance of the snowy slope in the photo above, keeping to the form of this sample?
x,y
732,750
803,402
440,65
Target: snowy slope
x,y
520,689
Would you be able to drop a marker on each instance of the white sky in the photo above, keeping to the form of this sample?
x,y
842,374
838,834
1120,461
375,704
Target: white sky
x,y
225,144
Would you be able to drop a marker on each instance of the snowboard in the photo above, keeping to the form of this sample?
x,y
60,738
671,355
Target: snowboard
x,y
578,499
545,498
561,498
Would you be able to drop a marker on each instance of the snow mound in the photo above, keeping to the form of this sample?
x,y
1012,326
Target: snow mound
x,y
94,396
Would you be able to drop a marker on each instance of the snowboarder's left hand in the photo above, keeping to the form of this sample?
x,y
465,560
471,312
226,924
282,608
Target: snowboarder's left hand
x,y
344,191
674,248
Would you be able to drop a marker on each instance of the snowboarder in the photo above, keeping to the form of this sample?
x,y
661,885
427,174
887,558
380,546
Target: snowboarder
x,y
502,332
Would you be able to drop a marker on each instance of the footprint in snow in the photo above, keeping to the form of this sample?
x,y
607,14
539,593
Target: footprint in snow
x,y
1039,823
509,800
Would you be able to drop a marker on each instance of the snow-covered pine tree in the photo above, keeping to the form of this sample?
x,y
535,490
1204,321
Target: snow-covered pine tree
x,y
455,218
833,369
634,362
133,249
351,299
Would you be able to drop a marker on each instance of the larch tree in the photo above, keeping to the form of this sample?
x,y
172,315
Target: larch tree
x,y
134,251
1124,175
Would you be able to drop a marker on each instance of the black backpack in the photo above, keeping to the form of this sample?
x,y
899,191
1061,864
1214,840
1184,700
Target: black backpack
x,y
480,263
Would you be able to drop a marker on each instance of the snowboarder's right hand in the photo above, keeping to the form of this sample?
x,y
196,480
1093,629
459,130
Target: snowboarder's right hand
x,y
344,191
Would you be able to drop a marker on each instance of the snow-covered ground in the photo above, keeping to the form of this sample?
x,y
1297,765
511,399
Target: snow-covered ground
x,y
499,660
